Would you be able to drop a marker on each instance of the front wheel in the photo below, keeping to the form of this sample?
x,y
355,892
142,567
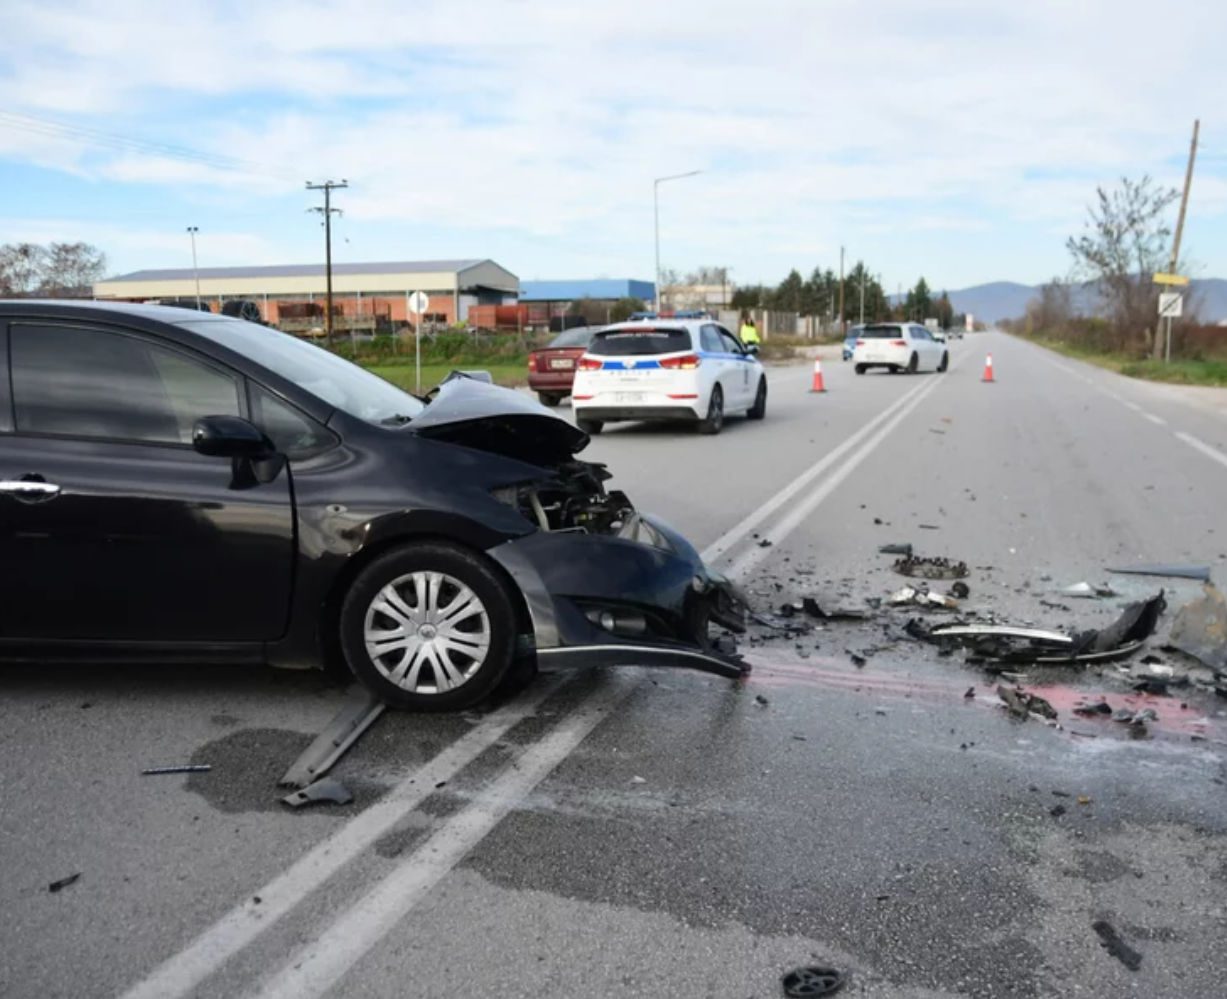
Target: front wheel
x,y
714,421
945,362
759,409
428,626
590,427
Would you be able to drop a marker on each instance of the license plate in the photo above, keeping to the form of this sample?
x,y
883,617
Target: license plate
x,y
876,357
627,397
561,363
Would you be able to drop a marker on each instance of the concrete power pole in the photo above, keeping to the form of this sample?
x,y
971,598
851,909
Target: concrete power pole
x,y
326,210
1175,259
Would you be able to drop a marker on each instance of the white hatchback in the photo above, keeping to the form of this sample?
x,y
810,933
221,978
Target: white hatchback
x,y
691,370
899,347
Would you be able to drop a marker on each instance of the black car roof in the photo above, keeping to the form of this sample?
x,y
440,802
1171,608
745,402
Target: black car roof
x,y
90,307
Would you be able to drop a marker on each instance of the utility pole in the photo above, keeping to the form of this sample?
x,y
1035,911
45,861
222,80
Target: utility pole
x,y
862,266
191,231
842,329
1184,204
326,210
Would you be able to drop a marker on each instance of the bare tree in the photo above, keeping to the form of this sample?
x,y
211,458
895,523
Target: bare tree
x,y
71,269
1120,249
1051,310
21,268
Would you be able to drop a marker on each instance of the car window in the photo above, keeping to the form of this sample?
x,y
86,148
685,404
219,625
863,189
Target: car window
x,y
731,343
6,408
646,340
295,434
709,337
96,383
881,333
573,338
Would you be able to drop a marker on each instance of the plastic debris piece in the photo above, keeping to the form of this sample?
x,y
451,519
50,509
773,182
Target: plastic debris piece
x,y
960,591
1056,811
930,568
639,780
1111,941
63,883
760,699
360,711
802,983
903,548
325,789
1022,704
1200,629
1201,572
187,768
1089,592
1093,710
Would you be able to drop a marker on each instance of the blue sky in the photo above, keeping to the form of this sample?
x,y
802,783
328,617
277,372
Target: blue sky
x,y
958,140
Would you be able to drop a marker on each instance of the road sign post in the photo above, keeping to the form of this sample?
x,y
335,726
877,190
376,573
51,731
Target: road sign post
x,y
417,302
1171,306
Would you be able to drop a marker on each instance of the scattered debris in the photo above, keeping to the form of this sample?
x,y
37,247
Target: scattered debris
x,y
960,591
1093,710
802,983
1111,941
930,568
1056,811
1087,591
186,768
359,713
1201,572
1200,629
928,527
1084,799
1020,703
764,543
814,609
896,549
63,883
760,699
325,789
639,780
971,692
857,660
921,597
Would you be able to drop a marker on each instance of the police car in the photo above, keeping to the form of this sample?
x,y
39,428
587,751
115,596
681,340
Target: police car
x,y
690,370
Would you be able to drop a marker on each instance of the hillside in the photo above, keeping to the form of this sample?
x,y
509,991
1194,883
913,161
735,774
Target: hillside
x,y
999,300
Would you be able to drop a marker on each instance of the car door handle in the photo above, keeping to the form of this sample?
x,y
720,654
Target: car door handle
x,y
29,491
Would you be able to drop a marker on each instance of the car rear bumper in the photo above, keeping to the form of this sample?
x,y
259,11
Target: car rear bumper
x,y
649,583
611,413
551,381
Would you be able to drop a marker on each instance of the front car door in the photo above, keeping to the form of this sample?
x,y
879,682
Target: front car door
x,y
741,366
112,527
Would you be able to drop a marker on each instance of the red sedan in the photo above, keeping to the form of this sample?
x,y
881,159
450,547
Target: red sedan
x,y
551,369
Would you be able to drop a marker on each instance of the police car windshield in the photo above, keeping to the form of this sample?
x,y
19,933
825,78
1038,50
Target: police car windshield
x,y
619,343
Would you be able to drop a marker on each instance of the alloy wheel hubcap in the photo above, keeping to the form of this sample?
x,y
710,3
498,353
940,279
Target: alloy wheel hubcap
x,y
427,632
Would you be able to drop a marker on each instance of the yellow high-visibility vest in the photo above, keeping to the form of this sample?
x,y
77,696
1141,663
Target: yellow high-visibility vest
x,y
749,334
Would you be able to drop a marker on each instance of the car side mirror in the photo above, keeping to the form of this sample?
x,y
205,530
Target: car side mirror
x,y
752,348
230,437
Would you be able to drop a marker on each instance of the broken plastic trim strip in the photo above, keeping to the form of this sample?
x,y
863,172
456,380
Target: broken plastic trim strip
x,y
1201,572
991,631
1121,652
331,744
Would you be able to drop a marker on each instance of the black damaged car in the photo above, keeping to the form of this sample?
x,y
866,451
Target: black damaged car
x,y
179,487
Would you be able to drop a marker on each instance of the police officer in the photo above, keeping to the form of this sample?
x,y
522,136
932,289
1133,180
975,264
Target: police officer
x,y
749,332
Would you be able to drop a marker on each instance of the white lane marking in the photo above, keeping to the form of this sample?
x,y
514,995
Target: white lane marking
x,y
786,525
1209,450
319,965
181,973
1132,405
740,530
1154,419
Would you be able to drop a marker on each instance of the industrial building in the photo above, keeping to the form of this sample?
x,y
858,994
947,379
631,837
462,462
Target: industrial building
x,y
371,290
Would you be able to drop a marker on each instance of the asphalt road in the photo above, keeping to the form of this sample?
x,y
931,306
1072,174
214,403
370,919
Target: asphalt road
x,y
651,833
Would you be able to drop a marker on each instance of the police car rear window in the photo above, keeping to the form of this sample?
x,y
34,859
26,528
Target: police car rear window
x,y
620,343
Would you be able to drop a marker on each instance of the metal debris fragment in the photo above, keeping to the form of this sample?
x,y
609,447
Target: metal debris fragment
x,y
896,549
326,789
1111,941
1200,629
1201,572
930,568
1022,704
63,883
186,768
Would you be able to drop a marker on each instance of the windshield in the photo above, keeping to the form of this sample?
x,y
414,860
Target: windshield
x,y
572,338
333,379
881,333
617,343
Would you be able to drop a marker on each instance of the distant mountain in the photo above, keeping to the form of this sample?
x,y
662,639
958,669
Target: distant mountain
x,y
999,300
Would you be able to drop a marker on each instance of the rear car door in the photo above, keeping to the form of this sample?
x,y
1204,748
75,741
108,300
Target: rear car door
x,y
112,527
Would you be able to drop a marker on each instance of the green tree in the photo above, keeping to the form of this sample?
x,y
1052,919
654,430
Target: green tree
x,y
919,304
788,296
749,296
944,311
623,308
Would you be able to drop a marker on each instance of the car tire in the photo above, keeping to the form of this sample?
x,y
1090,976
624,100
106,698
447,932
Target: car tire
x,y
859,369
759,409
549,399
945,362
913,364
410,591
590,427
714,421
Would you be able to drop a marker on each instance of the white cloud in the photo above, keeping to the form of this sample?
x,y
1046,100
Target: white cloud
x,y
814,123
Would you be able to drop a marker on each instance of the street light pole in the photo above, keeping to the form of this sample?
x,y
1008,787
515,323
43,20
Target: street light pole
x,y
191,231
656,219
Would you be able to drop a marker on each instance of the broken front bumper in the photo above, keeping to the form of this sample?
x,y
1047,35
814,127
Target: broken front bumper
x,y
641,598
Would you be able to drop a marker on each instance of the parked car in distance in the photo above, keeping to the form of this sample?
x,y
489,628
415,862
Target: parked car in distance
x,y
551,369
690,370
850,341
898,347
179,487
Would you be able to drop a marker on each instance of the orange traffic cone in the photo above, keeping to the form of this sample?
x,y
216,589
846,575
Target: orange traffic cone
x,y
818,386
988,368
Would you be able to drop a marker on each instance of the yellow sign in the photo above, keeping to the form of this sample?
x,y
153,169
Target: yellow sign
x,y
1179,279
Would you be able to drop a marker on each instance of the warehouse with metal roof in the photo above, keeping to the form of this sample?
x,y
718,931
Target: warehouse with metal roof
x,y
597,289
359,289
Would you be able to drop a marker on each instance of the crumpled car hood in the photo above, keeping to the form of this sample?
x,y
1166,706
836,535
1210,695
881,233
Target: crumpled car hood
x,y
490,418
